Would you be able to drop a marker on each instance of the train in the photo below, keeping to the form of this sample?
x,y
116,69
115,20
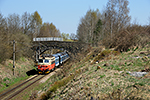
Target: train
x,y
49,62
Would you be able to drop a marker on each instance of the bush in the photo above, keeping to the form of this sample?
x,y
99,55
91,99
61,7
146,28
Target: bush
x,y
22,46
103,54
135,36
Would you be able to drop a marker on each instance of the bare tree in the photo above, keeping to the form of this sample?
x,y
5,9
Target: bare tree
x,y
26,20
86,28
116,16
14,23
49,30
36,23
73,36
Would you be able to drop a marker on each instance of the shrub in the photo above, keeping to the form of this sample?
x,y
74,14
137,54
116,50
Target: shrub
x,y
103,54
128,38
22,46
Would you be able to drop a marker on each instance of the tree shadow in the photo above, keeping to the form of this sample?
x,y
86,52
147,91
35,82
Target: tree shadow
x,y
32,72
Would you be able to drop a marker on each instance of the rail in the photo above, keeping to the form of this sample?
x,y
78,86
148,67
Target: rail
x,y
19,88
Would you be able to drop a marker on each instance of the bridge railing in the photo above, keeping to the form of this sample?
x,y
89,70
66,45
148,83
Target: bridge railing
x,y
48,39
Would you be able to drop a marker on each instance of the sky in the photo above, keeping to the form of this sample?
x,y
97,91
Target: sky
x,y
66,14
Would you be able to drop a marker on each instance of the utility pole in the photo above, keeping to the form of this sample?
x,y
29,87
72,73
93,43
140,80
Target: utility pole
x,y
14,57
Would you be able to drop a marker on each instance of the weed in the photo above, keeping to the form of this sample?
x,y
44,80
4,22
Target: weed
x,y
101,55
5,79
116,74
101,76
112,83
90,73
10,64
128,50
4,84
56,85
23,59
115,67
115,53
141,84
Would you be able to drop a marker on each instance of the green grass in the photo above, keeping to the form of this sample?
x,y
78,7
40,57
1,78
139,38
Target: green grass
x,y
101,76
11,82
112,83
109,78
55,86
115,67
5,79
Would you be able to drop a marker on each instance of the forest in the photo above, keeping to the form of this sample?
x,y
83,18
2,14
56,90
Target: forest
x,y
111,28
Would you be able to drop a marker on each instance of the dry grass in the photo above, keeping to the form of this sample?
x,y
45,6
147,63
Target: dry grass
x,y
6,73
107,82
105,54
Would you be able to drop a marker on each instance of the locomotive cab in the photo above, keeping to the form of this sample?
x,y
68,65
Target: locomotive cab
x,y
46,64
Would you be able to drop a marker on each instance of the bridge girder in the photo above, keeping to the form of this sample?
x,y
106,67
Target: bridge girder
x,y
71,47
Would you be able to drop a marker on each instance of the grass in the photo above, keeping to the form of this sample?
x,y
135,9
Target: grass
x,y
11,82
105,82
7,79
101,76
55,86
115,67
62,82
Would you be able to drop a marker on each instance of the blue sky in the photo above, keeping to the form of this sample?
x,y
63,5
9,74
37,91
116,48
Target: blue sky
x,y
66,14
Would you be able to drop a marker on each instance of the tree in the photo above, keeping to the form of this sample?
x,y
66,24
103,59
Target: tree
x,y
86,28
26,21
73,36
14,23
98,32
3,39
2,22
65,36
49,30
53,30
11,28
116,16
36,23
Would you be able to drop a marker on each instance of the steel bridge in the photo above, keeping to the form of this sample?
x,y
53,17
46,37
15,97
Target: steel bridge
x,y
71,47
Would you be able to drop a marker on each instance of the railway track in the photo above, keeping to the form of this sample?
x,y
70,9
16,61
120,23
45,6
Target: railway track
x,y
19,88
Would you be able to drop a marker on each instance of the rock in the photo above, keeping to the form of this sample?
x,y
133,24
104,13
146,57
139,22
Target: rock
x,y
146,70
144,53
107,65
137,74
97,62
98,67
137,57
89,94
145,58
92,98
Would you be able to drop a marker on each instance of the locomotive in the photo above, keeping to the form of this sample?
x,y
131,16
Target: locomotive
x,y
47,62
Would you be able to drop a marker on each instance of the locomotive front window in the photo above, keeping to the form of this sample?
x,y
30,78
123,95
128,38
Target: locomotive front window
x,y
46,61
40,60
